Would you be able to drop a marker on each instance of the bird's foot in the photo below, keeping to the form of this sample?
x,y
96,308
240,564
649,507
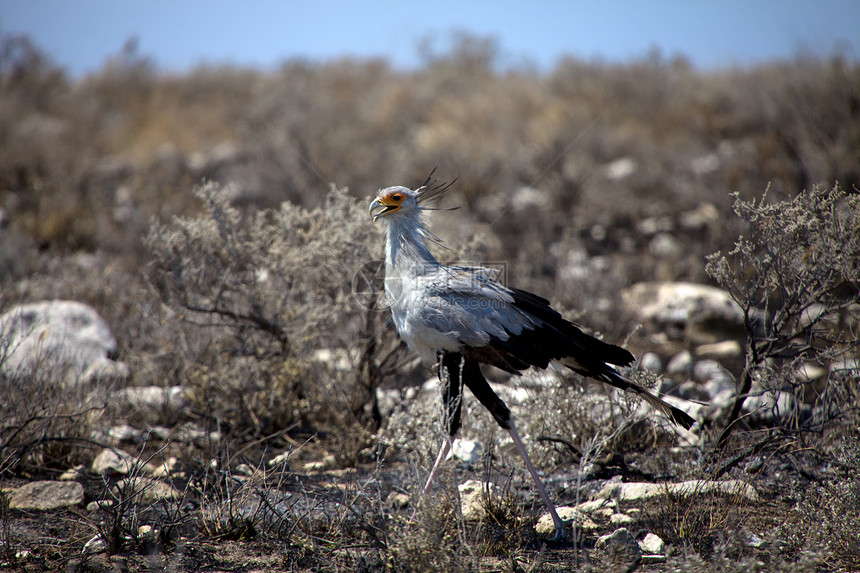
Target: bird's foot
x,y
562,530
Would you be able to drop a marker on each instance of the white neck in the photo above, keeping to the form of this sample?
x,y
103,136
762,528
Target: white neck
x,y
405,248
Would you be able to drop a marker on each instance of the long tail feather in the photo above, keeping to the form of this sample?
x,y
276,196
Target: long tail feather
x,y
613,378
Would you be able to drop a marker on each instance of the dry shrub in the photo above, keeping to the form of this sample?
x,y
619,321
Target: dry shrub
x,y
796,276
274,336
47,424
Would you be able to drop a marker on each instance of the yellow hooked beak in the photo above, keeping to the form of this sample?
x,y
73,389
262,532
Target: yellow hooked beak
x,y
378,204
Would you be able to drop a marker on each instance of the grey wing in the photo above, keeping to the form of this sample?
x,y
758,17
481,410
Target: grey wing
x,y
468,303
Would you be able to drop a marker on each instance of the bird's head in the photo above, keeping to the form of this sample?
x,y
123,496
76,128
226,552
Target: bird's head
x,y
402,202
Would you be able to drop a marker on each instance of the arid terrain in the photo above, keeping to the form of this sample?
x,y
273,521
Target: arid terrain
x,y
198,371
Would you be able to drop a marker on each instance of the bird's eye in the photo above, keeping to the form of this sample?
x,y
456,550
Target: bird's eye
x,y
397,197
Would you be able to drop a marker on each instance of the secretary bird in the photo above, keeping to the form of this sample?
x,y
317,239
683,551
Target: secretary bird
x,y
460,317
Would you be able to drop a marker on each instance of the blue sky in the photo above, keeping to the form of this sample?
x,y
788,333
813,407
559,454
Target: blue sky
x,y
177,35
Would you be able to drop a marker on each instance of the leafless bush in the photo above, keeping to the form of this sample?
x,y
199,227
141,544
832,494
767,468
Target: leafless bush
x,y
796,276
277,337
45,424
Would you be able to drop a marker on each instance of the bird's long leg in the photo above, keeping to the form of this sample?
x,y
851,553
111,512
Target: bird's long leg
x,y
518,442
450,365
474,379
443,453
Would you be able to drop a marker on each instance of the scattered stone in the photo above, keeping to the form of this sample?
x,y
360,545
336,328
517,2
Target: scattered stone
x,y
328,462
621,168
280,459
664,246
100,504
596,504
651,362
528,198
620,546
148,536
700,311
653,225
809,372
700,217
848,366
753,540
467,451
66,335
397,500
244,470
705,370
72,474
95,545
154,400
681,363
545,525
621,519
633,491
472,498
166,468
106,372
189,433
46,495
692,391
338,359
652,544
113,462
150,490
724,349
123,434
775,405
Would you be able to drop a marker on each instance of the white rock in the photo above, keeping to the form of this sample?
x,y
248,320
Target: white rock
x,y
467,451
682,303
397,500
66,335
336,358
123,433
46,495
149,490
621,168
700,217
154,399
681,363
95,545
472,502
664,246
526,198
849,366
619,544
774,405
809,372
652,544
596,504
545,526
705,164
621,519
113,462
651,362
100,504
723,349
719,389
704,370
633,491
280,459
